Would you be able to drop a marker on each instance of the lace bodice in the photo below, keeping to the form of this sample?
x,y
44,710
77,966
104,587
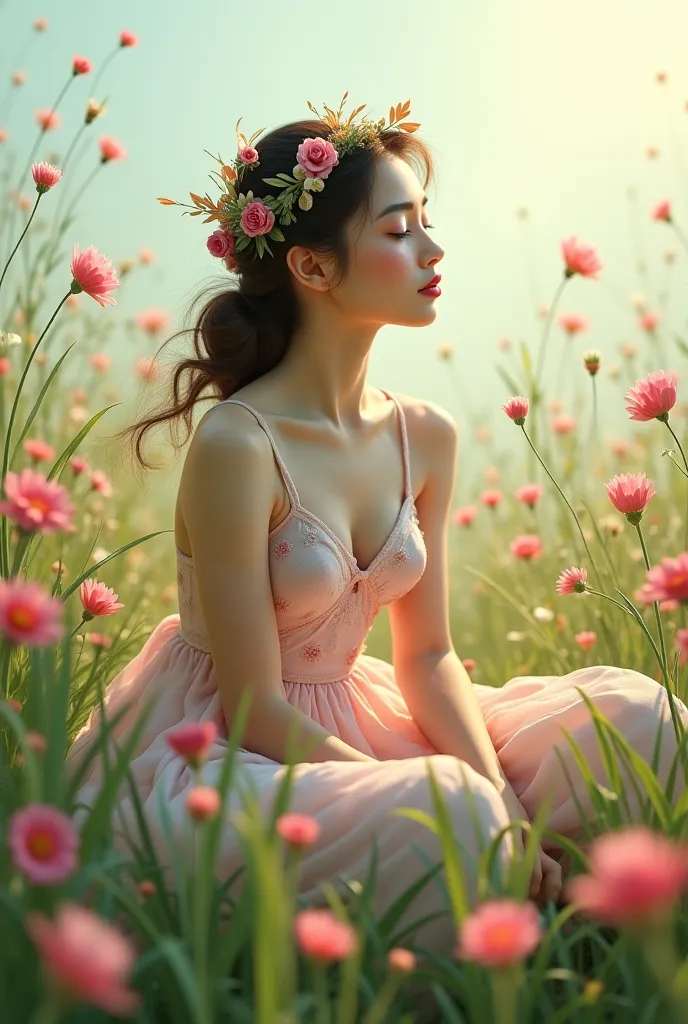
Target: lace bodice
x,y
324,603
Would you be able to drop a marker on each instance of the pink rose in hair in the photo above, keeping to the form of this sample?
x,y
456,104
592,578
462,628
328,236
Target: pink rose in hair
x,y
248,155
220,243
257,219
317,157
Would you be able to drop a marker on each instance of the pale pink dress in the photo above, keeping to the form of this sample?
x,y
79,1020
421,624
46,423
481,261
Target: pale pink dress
x,y
325,605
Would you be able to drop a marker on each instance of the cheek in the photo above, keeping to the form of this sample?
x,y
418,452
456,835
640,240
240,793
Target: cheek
x,y
386,263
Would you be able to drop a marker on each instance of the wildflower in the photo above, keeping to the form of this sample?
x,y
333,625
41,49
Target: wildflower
x,y
321,936
40,451
203,803
587,639
37,741
491,498
15,705
649,321
78,465
100,482
192,741
146,888
526,546
543,614
668,581
515,636
401,960
146,256
153,320
147,369
98,599
529,494
298,829
580,259
94,274
652,397
681,642
464,515
99,640
573,324
516,409
445,351
505,344
563,424
662,211
100,361
5,366
45,176
592,361
630,493
572,581
636,876
110,149
37,504
469,664
48,119
127,38
500,933
86,957
44,844
28,614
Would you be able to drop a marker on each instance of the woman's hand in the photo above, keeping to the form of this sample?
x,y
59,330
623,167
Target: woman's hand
x,y
546,880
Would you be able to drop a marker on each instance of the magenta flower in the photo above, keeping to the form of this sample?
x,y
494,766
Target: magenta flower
x,y
636,876
98,599
93,274
516,409
87,958
527,546
323,937
37,504
580,259
298,830
500,933
652,397
630,493
28,614
44,844
192,741
668,581
572,581
45,176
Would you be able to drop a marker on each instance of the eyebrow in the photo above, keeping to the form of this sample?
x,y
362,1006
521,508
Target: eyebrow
x,y
399,206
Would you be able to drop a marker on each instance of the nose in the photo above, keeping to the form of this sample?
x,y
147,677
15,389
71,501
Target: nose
x,y
437,252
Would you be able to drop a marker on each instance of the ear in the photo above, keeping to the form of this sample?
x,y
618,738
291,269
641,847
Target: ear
x,y
311,271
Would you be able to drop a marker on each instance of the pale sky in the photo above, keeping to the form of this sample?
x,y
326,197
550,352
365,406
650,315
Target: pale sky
x,y
536,103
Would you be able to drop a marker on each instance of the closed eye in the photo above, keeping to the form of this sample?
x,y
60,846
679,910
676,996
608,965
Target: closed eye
x,y
405,234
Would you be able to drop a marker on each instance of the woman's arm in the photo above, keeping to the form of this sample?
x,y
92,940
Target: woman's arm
x,y
227,496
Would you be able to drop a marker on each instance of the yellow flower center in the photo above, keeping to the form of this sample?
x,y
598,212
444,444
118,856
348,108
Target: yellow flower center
x,y
41,844
501,937
22,617
42,506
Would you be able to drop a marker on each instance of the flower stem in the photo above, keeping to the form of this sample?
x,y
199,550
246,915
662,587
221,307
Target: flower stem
x,y
685,463
655,604
505,985
28,223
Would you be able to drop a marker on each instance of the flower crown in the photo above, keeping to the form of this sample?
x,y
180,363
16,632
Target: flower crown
x,y
245,221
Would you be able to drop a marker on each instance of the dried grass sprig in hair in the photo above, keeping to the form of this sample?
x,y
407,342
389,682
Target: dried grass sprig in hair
x,y
248,222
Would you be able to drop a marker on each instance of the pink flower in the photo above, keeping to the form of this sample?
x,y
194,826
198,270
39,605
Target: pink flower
x,y
580,259
662,211
527,546
78,465
98,599
681,641
45,176
469,664
48,119
127,38
636,875
317,157
322,936
573,323
401,960
93,274
630,493
249,155
592,361
5,366
652,397
563,424
28,614
491,498
649,321
100,482
154,320
18,78
146,369
192,741
298,829
529,494
146,256
110,149
99,640
81,66
572,581
465,515
500,933
36,503
203,803
220,243
86,957
39,450
516,409
587,639
100,362
668,581
44,844
4,135
40,24
257,219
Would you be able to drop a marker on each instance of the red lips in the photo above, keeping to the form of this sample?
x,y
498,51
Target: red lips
x,y
431,284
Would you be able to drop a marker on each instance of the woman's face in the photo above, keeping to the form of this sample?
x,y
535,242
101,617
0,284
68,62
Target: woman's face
x,y
393,254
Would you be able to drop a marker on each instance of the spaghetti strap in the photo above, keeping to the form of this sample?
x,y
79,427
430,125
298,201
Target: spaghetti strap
x,y
288,482
408,490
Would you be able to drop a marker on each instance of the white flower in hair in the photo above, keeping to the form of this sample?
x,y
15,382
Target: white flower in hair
x,y
305,201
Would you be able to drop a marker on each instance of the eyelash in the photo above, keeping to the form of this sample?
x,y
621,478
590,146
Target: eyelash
x,y
405,234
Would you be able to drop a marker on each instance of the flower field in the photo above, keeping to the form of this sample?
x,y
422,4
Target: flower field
x,y
569,548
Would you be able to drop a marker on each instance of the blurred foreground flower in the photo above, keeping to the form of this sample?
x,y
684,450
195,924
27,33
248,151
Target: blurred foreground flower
x,y
321,936
668,581
28,614
36,503
298,829
192,741
500,933
44,844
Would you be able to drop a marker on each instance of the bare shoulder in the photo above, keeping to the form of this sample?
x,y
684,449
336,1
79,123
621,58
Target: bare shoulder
x,y
432,432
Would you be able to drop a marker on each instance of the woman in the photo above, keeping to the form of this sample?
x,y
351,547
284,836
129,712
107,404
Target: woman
x,y
310,499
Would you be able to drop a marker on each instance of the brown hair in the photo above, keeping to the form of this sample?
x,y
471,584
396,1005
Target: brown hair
x,y
244,330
